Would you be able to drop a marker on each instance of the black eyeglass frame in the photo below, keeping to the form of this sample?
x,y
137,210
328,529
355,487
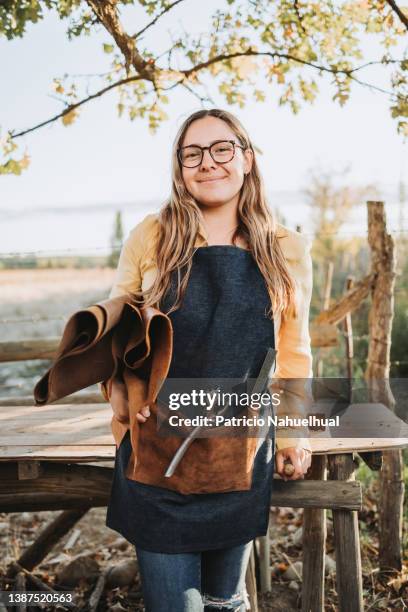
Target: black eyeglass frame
x,y
202,149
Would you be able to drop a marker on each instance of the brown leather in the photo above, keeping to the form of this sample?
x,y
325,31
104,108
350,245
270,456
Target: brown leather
x,y
87,339
210,465
118,339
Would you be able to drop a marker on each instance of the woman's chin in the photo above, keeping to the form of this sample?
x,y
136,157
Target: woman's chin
x,y
214,199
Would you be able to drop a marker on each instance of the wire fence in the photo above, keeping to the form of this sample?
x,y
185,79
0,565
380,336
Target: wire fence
x,y
107,251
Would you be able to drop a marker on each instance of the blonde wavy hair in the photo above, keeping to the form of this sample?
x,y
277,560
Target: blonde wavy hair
x,y
179,220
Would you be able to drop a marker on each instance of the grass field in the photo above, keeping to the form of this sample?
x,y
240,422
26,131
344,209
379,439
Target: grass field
x,y
37,304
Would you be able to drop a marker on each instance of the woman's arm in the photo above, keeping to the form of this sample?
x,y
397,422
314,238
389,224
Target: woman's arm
x,y
294,356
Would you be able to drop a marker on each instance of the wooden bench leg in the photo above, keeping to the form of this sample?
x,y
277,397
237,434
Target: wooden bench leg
x,y
250,581
264,563
314,546
347,542
39,549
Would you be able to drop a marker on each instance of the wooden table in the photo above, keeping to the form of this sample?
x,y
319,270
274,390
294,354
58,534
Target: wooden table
x,y
60,457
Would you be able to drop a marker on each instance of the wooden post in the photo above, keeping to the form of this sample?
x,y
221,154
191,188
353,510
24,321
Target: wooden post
x,y
314,545
326,304
264,563
314,521
20,585
250,581
348,331
383,263
347,542
374,459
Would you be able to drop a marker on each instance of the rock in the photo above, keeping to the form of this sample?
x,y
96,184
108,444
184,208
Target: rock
x,y
80,567
293,572
119,544
329,565
117,608
26,518
297,536
122,574
293,585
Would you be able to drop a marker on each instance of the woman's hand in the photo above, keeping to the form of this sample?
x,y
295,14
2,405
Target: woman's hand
x,y
120,405
300,458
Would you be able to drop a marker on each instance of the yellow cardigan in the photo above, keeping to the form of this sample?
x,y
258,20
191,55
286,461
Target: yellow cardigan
x,y
136,269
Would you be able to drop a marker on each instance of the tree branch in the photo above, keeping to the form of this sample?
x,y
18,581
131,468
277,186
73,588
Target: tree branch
x,y
72,107
188,72
399,12
155,20
251,53
106,12
299,16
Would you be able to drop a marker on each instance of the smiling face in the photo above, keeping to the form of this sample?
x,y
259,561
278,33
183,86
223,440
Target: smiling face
x,y
211,183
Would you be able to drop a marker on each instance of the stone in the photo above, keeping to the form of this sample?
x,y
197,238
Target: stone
x,y
293,585
80,567
119,544
293,572
122,574
329,565
297,536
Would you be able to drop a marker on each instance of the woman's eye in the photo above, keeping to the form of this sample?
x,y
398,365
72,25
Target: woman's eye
x,y
223,149
191,155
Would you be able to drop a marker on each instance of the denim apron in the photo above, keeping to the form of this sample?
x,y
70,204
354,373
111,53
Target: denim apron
x,y
220,331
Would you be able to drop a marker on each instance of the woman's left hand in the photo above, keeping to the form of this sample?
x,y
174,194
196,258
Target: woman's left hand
x,y
300,458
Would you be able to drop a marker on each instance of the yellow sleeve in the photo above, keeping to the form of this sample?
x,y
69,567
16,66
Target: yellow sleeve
x,y
128,276
294,356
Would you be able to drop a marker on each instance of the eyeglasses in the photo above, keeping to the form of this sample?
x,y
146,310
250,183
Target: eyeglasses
x,y
221,151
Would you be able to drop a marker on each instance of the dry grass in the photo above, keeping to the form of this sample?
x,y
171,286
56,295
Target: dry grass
x,y
37,304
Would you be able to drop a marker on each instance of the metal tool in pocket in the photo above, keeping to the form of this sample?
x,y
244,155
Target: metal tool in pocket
x,y
258,387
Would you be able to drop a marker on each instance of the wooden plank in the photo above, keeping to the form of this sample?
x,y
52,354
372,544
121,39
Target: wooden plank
x,y
348,302
61,454
27,470
317,494
60,487
346,541
323,335
87,397
20,350
83,433
73,485
104,452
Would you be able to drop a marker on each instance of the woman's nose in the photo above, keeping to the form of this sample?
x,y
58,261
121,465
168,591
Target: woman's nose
x,y
207,161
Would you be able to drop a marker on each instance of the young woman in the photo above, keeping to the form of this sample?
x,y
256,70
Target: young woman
x,y
234,283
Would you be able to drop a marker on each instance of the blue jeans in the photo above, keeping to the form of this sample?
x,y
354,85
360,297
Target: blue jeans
x,y
212,580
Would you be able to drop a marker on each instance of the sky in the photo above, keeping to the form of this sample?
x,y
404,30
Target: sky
x,y
79,175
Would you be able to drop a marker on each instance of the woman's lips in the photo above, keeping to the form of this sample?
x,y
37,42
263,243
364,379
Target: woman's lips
x,y
212,180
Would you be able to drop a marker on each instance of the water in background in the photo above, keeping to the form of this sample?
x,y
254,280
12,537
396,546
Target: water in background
x,y
87,228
